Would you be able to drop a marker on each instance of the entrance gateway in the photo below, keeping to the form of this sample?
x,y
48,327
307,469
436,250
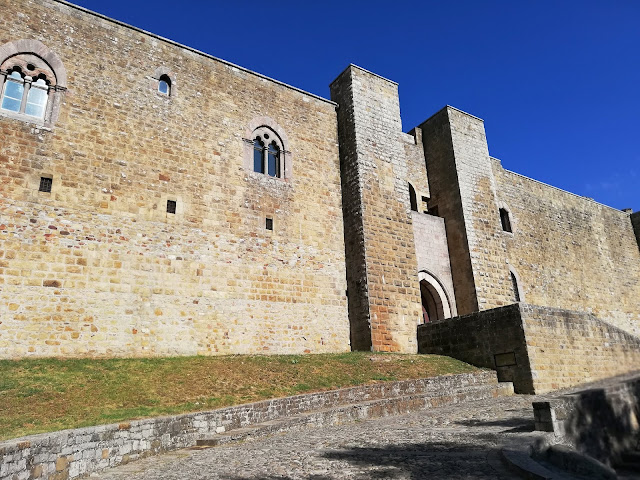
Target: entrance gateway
x,y
435,301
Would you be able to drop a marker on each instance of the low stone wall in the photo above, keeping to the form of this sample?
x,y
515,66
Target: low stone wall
x,y
538,348
492,339
71,453
601,421
567,348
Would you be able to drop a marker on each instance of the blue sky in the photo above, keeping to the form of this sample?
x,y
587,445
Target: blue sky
x,y
557,82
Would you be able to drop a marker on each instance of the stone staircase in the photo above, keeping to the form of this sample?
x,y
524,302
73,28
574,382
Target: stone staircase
x,y
366,402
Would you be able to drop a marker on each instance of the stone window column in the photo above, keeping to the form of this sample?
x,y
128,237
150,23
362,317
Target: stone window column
x,y
25,93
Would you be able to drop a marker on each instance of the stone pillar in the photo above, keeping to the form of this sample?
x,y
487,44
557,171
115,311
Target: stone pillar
x,y
383,289
463,190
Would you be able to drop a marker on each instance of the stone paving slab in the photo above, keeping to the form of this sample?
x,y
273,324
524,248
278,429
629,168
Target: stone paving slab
x,y
454,442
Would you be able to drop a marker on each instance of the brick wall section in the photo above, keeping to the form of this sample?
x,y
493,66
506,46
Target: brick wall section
x,y
635,221
567,348
476,338
463,188
571,252
97,267
391,269
430,238
553,348
74,453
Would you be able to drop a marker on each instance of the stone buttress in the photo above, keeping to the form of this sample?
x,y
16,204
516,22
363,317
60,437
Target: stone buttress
x,y
384,297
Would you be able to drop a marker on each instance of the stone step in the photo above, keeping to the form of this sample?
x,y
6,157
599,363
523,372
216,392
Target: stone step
x,y
381,407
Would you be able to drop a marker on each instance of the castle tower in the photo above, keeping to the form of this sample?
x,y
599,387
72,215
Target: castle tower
x,y
383,289
463,190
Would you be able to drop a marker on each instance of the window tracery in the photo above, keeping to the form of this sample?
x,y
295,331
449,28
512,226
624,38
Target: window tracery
x,y
31,85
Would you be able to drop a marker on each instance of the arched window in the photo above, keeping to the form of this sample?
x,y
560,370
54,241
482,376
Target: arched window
x,y
164,85
505,220
37,98
267,152
13,92
413,199
32,81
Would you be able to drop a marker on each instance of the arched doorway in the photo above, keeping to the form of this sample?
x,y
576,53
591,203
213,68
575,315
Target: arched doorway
x,y
435,303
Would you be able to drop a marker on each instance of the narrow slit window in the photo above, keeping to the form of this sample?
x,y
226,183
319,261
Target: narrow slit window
x,y
171,206
269,224
45,184
413,198
505,220
514,284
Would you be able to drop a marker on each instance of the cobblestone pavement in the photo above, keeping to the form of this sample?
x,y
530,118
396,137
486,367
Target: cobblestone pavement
x,y
454,442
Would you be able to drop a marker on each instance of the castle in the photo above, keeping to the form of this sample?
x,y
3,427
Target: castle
x,y
155,200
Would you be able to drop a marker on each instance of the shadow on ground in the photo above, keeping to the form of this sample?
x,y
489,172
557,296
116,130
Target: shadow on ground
x,y
442,461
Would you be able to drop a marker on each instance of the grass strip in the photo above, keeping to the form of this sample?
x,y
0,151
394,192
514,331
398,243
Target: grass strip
x,y
43,395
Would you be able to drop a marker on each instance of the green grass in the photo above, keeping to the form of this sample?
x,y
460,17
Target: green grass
x,y
42,395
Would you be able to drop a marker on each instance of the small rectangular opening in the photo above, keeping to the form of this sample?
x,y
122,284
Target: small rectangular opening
x,y
171,206
269,223
505,359
45,184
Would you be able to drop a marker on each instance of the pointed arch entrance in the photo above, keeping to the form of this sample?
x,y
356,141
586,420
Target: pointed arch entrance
x,y
435,301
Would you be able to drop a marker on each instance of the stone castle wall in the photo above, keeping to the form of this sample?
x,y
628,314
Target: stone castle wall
x,y
464,192
374,155
98,267
571,252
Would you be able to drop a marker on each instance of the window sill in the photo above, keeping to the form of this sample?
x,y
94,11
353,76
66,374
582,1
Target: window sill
x,y
37,122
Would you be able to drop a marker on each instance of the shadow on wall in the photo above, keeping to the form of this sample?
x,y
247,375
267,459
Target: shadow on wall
x,y
605,424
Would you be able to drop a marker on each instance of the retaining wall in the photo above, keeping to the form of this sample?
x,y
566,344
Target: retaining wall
x,y
71,453
601,422
538,348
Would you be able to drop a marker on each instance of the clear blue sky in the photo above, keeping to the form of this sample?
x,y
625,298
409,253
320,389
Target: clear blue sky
x,y
557,82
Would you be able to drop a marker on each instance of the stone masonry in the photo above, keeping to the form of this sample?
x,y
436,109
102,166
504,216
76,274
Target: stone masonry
x,y
539,349
372,152
97,267
137,220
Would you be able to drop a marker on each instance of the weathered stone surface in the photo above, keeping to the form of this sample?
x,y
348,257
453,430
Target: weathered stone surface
x,y
72,453
98,267
550,348
382,266
451,442
571,252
